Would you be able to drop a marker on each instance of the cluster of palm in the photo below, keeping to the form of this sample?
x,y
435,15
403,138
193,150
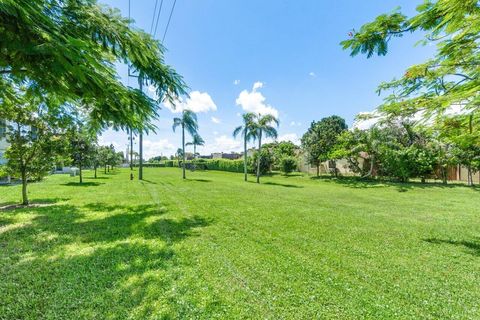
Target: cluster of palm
x,y
256,127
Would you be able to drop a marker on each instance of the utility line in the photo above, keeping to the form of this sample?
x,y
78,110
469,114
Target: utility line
x,y
168,23
158,18
153,19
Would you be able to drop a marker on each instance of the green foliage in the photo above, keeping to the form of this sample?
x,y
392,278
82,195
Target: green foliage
x,y
36,134
288,164
320,139
69,48
222,165
266,161
449,78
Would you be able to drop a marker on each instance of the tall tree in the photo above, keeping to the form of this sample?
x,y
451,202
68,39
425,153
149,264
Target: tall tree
x,y
449,78
36,134
82,145
187,122
320,139
264,125
248,132
197,140
69,48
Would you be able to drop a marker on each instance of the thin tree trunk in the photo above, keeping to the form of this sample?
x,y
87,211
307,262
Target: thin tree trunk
x,y
194,156
24,188
469,176
105,169
183,148
245,155
318,170
444,175
95,172
259,155
80,175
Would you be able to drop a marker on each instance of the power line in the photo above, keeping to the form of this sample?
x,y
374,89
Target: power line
x,y
158,18
153,19
169,18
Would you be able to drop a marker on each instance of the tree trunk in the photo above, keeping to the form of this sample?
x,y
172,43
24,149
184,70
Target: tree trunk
x,y
105,169
140,160
80,175
423,180
469,176
24,188
95,167
318,170
183,148
444,175
245,154
194,156
259,155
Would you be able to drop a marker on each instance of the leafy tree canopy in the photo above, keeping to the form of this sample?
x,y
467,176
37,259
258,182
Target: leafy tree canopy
x,y
69,47
450,77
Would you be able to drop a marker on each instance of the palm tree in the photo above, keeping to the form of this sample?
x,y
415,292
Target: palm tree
x,y
249,133
263,125
196,141
188,122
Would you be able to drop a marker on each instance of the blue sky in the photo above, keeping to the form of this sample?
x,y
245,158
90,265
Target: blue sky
x,y
289,50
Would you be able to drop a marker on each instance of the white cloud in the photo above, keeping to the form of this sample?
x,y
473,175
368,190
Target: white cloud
x,y
197,102
257,85
152,148
254,101
215,120
222,143
293,137
236,82
312,74
295,124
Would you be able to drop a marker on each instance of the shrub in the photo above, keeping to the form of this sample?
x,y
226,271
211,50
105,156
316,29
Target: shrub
x,y
224,165
266,162
288,164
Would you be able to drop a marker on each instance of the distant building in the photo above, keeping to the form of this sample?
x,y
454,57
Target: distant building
x,y
230,156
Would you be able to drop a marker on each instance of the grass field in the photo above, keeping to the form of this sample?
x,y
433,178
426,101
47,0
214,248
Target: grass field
x,y
215,247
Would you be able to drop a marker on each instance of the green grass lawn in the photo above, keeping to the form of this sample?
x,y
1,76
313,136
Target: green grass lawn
x,y
215,247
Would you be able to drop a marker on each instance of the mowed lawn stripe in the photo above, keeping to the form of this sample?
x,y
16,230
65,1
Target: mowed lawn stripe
x,y
214,246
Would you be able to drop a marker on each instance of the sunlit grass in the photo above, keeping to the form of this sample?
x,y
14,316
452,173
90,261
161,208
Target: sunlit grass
x,y
214,246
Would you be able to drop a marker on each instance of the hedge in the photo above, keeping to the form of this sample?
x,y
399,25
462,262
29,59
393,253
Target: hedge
x,y
202,164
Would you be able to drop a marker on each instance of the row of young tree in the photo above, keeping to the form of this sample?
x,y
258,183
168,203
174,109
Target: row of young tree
x,y
58,76
40,138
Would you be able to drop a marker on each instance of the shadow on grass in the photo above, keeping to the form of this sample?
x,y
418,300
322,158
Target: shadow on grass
x,y
199,180
93,261
83,184
11,205
282,185
362,183
472,246
149,181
